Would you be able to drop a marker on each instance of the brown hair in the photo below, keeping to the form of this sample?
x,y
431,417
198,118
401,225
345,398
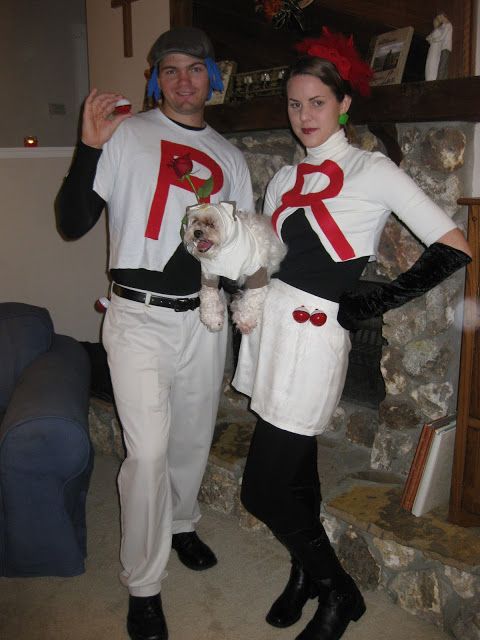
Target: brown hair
x,y
325,71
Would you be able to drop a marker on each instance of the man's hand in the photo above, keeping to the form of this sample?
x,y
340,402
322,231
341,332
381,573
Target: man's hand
x,y
98,122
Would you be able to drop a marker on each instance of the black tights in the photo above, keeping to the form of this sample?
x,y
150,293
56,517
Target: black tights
x,y
281,488
280,483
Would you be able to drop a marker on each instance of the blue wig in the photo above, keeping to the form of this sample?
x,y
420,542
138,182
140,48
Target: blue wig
x,y
214,76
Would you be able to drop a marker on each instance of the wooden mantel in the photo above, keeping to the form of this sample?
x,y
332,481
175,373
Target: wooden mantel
x,y
241,34
437,101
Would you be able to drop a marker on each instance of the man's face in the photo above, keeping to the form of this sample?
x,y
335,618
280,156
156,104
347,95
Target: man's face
x,y
184,82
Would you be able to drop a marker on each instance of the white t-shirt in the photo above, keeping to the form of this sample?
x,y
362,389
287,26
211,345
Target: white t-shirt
x,y
146,200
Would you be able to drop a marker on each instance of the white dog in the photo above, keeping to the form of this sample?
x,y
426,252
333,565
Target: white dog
x,y
238,246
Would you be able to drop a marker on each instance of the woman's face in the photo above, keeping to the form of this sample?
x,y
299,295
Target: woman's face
x,y
313,109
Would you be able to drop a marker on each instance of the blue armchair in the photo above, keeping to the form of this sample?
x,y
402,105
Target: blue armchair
x,y
46,456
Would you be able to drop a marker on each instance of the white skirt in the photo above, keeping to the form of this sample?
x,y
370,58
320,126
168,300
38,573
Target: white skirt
x,y
294,372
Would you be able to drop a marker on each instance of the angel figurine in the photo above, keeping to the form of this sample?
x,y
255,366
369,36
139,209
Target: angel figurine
x,y
440,40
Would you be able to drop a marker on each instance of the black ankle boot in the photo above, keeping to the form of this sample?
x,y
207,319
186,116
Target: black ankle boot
x,y
287,608
343,604
145,620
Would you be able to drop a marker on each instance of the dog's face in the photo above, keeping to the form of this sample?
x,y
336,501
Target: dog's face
x,y
204,233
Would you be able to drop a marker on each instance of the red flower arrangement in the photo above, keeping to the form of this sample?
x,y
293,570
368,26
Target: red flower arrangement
x,y
279,12
270,8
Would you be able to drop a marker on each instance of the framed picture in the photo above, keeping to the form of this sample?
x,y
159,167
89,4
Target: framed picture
x,y
389,54
227,69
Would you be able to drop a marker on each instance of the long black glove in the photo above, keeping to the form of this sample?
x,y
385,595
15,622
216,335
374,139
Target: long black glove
x,y
435,264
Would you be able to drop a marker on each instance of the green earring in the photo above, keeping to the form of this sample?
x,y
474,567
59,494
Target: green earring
x,y
343,119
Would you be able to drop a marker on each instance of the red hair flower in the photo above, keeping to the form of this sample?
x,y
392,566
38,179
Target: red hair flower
x,y
341,52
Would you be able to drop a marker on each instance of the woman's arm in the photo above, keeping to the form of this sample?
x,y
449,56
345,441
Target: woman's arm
x,y
439,261
456,239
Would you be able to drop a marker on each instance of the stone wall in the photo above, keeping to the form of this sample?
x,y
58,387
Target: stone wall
x,y
426,580
421,357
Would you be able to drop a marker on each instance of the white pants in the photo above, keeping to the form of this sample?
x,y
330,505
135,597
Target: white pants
x,y
166,371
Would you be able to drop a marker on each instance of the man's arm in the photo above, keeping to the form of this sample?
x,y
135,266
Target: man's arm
x,y
78,205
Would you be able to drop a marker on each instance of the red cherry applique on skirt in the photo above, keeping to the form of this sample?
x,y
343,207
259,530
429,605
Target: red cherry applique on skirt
x,y
300,315
318,318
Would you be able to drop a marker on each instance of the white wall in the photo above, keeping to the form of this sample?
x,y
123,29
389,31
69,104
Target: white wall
x,y
109,69
37,266
43,61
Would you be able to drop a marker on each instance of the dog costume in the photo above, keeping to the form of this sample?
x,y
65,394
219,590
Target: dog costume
x,y
240,254
240,246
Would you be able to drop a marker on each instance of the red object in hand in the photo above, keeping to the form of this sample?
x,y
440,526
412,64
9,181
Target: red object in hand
x,y
318,318
300,315
122,106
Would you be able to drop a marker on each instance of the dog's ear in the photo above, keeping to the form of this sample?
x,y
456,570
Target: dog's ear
x,y
231,208
190,208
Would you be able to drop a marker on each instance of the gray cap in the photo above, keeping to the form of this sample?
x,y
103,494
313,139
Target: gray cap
x,y
189,40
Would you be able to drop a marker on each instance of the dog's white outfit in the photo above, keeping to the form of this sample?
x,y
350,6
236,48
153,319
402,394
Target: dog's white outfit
x,y
240,255
294,373
240,246
166,367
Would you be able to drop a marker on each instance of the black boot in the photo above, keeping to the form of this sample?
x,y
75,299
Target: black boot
x,y
344,601
145,620
343,604
287,608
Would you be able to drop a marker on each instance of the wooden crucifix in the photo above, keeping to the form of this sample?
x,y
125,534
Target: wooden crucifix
x,y
127,24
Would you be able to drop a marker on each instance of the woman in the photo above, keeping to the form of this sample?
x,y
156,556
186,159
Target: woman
x,y
330,211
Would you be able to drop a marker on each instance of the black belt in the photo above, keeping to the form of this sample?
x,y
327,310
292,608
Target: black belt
x,y
177,304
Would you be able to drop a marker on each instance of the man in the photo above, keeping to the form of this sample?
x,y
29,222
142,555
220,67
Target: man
x,y
166,367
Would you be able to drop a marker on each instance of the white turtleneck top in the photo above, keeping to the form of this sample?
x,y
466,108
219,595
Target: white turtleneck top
x,y
347,195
